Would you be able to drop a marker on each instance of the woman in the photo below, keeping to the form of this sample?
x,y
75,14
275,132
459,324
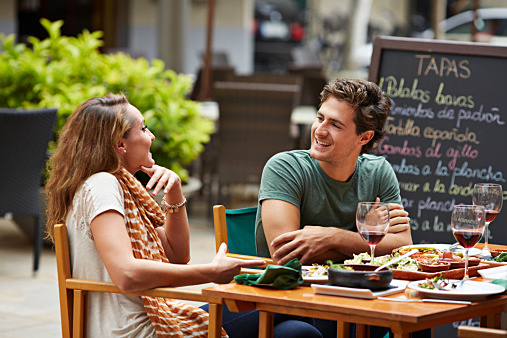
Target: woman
x,y
118,233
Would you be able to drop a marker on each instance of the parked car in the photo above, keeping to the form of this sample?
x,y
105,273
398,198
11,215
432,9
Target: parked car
x,y
491,24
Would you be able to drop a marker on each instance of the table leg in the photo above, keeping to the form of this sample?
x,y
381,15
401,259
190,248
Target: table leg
x,y
215,321
493,320
361,331
265,324
402,335
342,329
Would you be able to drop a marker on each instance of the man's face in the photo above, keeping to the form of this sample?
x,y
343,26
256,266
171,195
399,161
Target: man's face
x,y
334,138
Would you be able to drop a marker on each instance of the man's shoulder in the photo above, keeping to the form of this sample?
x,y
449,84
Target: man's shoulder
x,y
297,154
372,158
291,157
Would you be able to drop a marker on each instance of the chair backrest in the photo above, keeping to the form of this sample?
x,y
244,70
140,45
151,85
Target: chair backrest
x,y
24,138
73,293
480,332
254,124
237,229
64,273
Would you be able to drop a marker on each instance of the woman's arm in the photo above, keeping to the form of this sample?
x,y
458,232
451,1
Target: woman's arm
x,y
175,235
128,273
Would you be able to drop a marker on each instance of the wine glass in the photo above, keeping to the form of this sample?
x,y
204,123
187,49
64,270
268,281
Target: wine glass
x,y
372,221
468,223
491,197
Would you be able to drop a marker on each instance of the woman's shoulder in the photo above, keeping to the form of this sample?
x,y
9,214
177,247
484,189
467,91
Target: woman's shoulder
x,y
102,178
101,184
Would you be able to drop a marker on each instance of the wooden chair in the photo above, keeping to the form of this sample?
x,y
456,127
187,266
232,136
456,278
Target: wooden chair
x,y
238,225
254,124
480,332
24,138
234,221
73,293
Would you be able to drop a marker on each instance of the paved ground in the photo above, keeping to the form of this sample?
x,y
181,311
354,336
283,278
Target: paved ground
x,y
29,306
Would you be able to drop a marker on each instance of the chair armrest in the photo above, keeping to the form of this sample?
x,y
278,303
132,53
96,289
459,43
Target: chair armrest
x,y
165,292
268,260
480,332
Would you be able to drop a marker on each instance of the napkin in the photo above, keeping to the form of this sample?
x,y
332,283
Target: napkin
x,y
499,272
284,277
501,282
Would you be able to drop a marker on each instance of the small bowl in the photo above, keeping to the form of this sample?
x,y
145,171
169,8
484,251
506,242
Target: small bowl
x,y
472,261
441,266
363,277
496,252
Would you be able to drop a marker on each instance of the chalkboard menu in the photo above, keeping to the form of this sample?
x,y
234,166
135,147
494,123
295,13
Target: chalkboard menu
x,y
447,129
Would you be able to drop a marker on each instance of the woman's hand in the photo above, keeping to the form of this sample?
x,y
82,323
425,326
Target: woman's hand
x,y
226,268
161,177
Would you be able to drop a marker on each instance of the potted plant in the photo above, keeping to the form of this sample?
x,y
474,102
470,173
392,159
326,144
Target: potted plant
x,y
61,72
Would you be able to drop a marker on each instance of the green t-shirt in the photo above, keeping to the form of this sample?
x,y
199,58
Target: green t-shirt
x,y
295,177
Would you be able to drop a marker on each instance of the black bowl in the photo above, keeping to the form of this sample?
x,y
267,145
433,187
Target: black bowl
x,y
363,277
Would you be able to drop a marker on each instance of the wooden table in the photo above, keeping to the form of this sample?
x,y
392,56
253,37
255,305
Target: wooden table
x,y
402,318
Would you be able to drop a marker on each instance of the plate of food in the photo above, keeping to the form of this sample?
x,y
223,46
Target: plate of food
x,y
410,268
443,247
498,257
315,274
449,289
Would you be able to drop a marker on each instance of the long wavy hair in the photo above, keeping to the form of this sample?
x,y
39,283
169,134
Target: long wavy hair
x,y
87,145
371,105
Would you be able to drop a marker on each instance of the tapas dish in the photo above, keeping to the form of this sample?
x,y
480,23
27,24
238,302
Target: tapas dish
x,y
429,262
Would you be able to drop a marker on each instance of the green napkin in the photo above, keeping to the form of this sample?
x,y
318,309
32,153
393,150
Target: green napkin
x,y
280,277
501,282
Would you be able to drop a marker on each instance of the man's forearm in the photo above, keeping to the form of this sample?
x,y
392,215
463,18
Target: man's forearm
x,y
322,258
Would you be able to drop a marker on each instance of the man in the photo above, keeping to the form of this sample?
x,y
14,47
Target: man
x,y
308,199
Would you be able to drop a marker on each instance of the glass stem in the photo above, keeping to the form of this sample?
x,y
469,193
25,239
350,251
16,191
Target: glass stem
x,y
372,247
486,236
466,264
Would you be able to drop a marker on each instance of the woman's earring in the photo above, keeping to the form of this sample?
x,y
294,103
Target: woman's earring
x,y
124,151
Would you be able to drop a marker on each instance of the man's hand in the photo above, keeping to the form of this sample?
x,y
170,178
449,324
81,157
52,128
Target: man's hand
x,y
307,244
399,220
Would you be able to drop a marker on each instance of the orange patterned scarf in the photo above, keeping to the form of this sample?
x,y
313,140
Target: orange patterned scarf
x,y
143,215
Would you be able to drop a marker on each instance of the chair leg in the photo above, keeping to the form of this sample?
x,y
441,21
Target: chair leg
x,y
37,244
79,319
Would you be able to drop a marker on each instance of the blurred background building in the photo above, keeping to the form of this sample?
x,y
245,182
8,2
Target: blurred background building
x,y
255,35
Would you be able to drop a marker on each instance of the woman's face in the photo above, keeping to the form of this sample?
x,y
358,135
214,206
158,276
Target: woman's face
x,y
136,147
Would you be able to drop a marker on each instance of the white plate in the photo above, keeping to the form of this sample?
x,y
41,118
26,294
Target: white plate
x,y
470,290
443,247
396,286
317,280
500,272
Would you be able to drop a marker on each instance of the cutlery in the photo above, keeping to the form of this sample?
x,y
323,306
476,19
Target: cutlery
x,y
461,281
453,247
410,253
425,300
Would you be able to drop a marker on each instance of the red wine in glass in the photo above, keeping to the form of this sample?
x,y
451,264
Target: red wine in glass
x,y
467,238
372,221
491,215
468,223
372,237
490,196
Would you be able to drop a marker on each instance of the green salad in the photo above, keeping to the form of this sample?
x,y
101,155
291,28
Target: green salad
x,y
406,264
502,257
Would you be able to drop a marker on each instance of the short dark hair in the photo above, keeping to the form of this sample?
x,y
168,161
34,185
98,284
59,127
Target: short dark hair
x,y
371,105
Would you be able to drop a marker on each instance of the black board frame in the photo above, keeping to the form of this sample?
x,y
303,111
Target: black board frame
x,y
429,46
382,44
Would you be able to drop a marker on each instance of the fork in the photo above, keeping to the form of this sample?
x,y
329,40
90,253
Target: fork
x,y
453,247
459,283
